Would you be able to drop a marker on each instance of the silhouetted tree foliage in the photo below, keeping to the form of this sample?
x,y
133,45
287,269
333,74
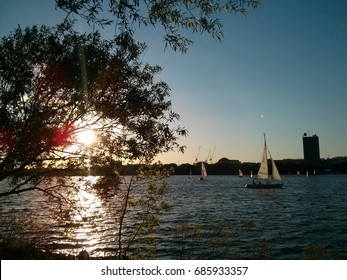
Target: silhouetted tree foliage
x,y
177,18
55,83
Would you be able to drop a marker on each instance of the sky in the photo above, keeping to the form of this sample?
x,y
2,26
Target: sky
x,y
282,70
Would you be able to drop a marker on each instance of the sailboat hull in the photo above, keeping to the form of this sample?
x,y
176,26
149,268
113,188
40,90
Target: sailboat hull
x,y
264,186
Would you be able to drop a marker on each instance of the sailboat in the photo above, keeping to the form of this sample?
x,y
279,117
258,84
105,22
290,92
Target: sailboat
x,y
263,173
203,172
240,173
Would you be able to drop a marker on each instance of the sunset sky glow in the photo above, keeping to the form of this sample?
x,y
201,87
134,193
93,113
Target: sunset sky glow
x,y
280,70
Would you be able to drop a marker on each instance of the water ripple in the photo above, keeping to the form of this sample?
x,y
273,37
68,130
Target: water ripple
x,y
306,212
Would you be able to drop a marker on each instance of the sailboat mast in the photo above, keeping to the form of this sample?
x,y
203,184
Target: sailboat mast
x,y
263,172
214,148
197,156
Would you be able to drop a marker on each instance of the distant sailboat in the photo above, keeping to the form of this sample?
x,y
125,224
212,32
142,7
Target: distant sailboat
x,y
263,173
240,173
203,172
251,174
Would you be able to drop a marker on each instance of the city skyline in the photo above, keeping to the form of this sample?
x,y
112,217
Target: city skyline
x,y
281,71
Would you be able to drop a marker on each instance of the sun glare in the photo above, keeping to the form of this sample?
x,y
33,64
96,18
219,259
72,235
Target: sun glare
x,y
86,137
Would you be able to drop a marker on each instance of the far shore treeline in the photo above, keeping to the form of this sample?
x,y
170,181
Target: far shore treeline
x,y
224,166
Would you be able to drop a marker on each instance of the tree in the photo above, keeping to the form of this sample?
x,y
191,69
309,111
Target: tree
x,y
55,83
175,17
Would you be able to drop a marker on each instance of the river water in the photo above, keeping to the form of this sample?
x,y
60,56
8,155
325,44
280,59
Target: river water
x,y
308,212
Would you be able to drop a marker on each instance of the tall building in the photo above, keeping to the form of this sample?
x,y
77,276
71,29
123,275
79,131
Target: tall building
x,y
311,148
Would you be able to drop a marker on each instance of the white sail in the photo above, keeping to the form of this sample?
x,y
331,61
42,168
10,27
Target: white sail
x,y
263,172
203,170
240,173
275,174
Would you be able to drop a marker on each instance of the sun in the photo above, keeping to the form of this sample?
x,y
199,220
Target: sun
x,y
86,137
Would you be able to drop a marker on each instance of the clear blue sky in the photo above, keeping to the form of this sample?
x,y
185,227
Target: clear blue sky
x,y
281,70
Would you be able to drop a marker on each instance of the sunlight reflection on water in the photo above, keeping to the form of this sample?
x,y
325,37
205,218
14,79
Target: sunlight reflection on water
x,y
90,226
91,209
